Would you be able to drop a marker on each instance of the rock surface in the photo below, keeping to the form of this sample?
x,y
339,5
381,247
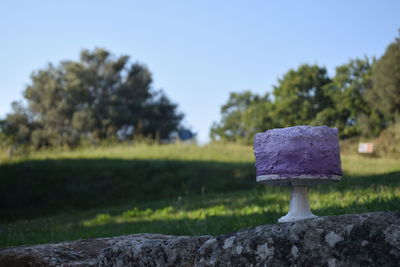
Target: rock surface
x,y
130,250
75,253
158,250
370,239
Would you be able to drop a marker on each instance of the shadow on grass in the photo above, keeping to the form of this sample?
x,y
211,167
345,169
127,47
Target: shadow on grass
x,y
39,188
44,187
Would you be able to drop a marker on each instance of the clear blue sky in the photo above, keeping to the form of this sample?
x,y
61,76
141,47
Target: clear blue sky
x,y
198,51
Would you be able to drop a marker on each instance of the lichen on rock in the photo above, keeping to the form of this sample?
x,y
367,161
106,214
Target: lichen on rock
x,y
370,239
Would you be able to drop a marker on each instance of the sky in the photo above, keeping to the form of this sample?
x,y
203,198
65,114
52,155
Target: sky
x,y
198,51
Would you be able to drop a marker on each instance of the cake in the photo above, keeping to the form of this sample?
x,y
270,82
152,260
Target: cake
x,y
303,154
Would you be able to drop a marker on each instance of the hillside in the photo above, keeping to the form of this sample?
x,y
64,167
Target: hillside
x,y
171,189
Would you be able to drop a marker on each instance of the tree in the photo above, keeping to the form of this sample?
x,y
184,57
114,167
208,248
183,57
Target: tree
x,y
18,125
385,93
95,98
363,98
305,96
347,90
300,95
160,118
242,116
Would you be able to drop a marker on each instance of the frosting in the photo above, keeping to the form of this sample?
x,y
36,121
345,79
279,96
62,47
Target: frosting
x,y
300,151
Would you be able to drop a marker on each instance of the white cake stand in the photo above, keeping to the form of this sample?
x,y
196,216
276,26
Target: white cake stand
x,y
299,207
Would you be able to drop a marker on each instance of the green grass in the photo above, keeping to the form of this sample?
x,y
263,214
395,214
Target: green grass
x,y
52,196
214,152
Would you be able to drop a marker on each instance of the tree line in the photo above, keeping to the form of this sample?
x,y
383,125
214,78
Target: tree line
x,y
98,97
361,99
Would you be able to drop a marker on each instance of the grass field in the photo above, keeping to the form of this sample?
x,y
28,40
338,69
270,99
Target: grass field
x,y
53,196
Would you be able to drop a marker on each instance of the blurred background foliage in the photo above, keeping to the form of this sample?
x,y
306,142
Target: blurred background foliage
x,y
103,97
361,100
100,97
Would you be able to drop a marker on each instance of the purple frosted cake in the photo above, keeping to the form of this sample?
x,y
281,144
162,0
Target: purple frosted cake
x,y
300,154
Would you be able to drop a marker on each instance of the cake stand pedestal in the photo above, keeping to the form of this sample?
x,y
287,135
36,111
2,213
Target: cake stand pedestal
x,y
299,207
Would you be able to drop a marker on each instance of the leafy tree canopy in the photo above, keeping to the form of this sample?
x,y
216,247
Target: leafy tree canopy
x,y
242,116
385,93
300,95
347,91
100,96
306,96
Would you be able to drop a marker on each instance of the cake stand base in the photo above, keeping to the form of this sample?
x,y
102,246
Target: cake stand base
x,y
299,208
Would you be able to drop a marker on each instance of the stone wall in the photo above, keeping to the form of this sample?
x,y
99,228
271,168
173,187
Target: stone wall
x,y
370,239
